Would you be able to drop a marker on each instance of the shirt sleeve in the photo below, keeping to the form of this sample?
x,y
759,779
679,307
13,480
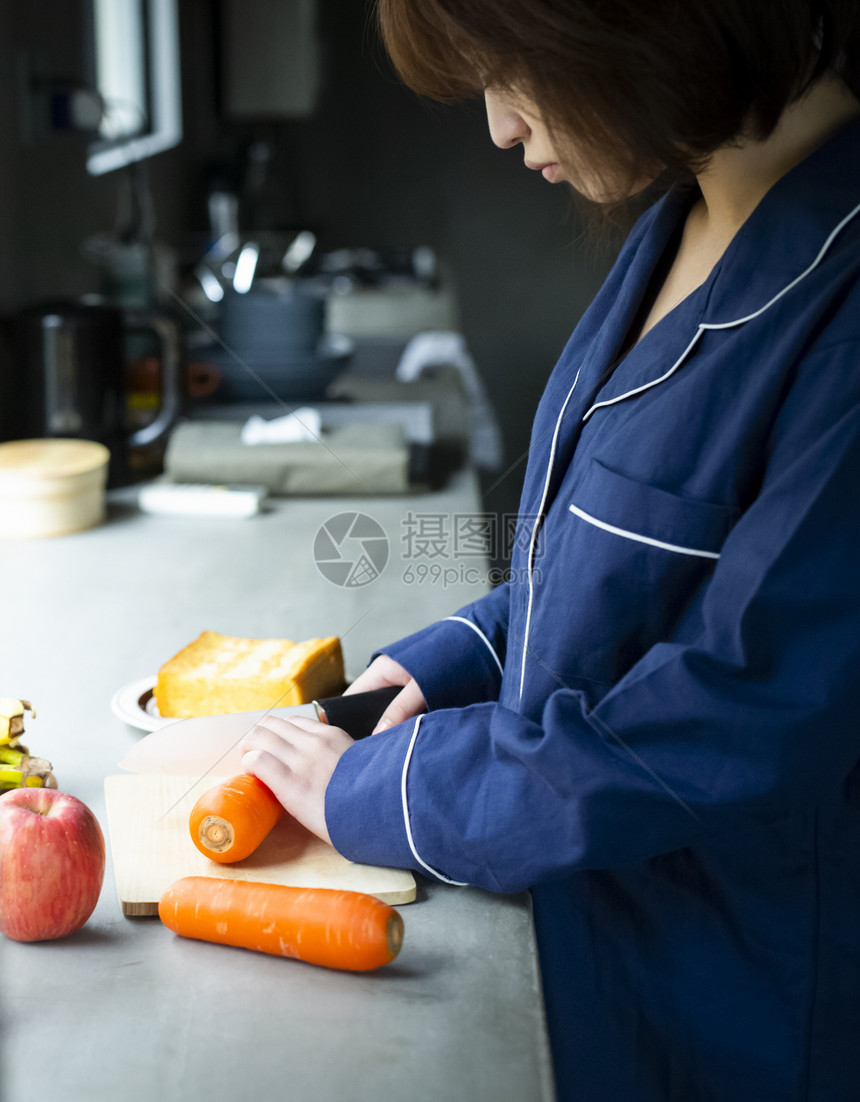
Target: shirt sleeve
x,y
750,720
459,660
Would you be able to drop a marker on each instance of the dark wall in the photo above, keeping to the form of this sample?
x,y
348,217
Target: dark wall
x,y
374,166
377,166
49,204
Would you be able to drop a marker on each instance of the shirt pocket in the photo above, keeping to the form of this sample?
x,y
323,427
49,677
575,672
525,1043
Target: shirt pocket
x,y
649,516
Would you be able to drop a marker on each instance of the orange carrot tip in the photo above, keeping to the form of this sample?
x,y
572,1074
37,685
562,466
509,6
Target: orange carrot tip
x,y
231,819
325,926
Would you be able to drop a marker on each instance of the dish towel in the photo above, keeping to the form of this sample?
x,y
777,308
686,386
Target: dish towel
x,y
443,348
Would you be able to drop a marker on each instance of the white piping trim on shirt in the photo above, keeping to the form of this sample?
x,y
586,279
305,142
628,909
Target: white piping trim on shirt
x,y
641,539
415,853
737,321
474,627
653,382
533,539
830,239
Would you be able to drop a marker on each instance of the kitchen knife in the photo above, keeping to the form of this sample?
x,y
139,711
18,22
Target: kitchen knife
x,y
210,744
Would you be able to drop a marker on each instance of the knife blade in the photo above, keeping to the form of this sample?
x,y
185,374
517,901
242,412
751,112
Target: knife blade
x,y
210,744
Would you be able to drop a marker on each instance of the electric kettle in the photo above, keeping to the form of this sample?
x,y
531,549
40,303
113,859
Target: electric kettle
x,y
67,373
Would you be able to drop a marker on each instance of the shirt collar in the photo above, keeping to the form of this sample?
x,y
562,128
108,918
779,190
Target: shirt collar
x,y
782,238
786,232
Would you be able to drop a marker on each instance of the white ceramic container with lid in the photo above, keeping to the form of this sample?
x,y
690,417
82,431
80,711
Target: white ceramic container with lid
x,y
51,487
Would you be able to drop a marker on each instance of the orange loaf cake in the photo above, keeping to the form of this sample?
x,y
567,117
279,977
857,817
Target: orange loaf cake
x,y
222,673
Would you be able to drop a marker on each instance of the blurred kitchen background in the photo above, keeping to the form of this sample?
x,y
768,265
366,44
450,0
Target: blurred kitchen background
x,y
291,159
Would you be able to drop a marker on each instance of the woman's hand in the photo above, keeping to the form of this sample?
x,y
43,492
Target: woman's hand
x,y
382,672
296,759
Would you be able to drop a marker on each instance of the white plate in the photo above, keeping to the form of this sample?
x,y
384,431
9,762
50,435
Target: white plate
x,y
134,704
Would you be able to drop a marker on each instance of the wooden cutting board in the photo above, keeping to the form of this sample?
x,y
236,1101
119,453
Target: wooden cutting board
x,y
151,848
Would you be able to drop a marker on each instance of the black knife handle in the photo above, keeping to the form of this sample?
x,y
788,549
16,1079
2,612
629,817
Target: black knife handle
x,y
357,713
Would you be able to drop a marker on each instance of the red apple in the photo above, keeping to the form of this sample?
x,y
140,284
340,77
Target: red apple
x,y
52,863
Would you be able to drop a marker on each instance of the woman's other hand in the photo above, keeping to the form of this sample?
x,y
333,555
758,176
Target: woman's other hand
x,y
382,672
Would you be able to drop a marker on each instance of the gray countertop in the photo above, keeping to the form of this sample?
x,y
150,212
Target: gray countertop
x,y
123,1008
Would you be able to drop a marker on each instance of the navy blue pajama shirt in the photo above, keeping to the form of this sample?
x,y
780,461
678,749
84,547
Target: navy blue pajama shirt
x,y
654,725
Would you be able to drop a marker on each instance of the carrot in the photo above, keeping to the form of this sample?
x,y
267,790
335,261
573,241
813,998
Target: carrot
x,y
229,821
337,929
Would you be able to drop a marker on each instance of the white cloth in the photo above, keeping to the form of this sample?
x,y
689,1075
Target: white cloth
x,y
433,349
301,424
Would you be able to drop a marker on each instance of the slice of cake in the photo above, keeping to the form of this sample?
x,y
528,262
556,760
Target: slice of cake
x,y
222,673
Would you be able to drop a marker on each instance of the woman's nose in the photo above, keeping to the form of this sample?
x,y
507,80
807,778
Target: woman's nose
x,y
507,126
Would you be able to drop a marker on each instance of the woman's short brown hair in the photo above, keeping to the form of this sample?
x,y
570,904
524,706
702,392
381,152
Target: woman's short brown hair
x,y
643,84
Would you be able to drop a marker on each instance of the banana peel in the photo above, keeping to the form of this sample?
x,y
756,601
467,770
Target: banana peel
x,y
12,718
18,767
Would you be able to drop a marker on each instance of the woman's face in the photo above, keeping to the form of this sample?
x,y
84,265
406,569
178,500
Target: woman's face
x,y
515,119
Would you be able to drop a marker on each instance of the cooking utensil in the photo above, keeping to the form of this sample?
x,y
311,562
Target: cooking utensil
x,y
298,252
246,267
291,376
277,317
209,744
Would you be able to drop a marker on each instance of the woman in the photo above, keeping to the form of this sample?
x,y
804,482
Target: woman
x,y
653,726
